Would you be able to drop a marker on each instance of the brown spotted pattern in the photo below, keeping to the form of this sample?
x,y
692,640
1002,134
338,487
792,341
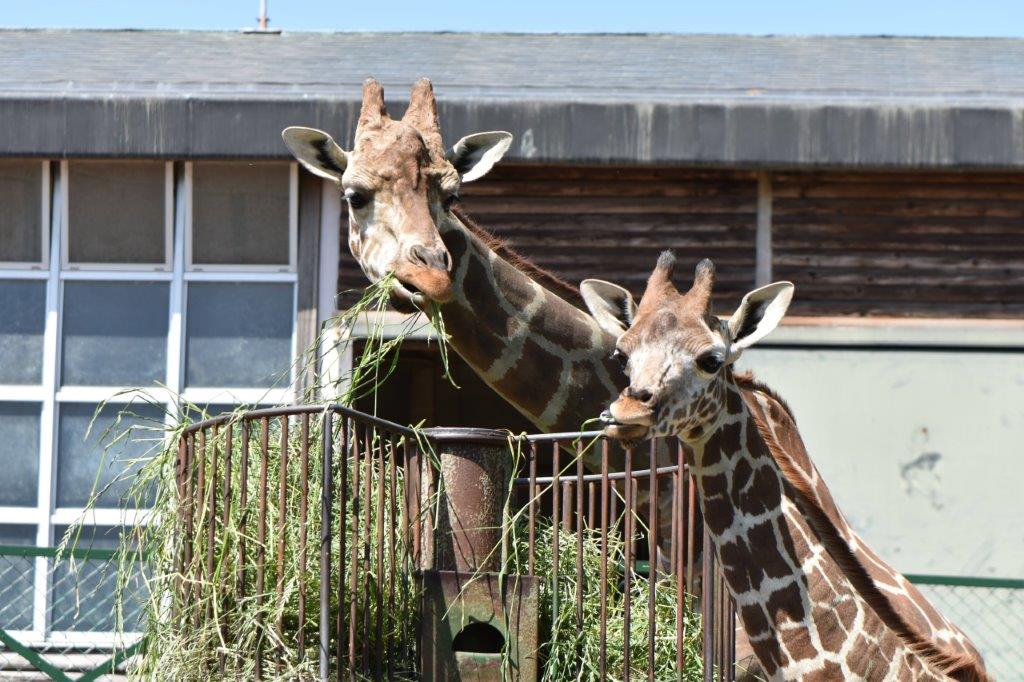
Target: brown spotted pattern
x,y
816,603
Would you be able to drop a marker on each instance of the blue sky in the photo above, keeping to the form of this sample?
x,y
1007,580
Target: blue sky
x,y
795,17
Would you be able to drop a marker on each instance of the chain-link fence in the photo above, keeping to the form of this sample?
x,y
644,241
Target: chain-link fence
x,y
62,616
990,611
59,617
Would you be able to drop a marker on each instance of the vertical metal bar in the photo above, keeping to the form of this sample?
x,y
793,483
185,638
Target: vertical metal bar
x,y
555,498
567,493
579,537
261,536
592,504
243,507
353,597
603,645
211,527
628,563
303,531
225,519
652,559
730,652
678,555
613,513
392,553
378,465
368,437
532,503
344,445
179,531
201,518
691,531
282,506
708,607
326,505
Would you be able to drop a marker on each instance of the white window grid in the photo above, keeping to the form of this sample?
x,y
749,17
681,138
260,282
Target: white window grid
x,y
55,270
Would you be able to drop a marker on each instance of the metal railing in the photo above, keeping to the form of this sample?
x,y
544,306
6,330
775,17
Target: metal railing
x,y
989,610
304,573
82,628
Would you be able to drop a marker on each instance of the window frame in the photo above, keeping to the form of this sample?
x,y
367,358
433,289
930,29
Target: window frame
x,y
50,395
42,266
291,267
65,263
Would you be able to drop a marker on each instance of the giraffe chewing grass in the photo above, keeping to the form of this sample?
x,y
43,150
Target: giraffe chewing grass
x,y
815,601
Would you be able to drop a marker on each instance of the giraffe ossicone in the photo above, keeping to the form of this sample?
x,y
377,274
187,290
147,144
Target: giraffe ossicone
x,y
815,601
399,184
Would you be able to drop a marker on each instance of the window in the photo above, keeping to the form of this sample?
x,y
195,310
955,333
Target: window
x,y
117,275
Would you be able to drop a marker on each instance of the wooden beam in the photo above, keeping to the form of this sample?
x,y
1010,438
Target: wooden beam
x,y
763,240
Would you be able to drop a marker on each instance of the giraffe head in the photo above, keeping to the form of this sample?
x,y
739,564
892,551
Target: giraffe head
x,y
399,184
674,349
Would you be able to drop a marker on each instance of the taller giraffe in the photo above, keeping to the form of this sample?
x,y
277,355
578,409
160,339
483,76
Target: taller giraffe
x,y
816,602
543,355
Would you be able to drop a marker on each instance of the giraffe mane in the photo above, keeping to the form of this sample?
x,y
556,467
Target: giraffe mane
x,y
545,278
958,666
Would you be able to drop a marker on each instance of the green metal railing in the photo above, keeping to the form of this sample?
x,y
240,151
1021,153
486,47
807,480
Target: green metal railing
x,y
989,610
69,634
60,611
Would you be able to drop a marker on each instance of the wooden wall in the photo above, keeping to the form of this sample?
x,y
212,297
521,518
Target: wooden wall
x,y
901,244
879,244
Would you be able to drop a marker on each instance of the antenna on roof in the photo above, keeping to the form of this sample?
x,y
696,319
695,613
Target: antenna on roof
x,y
262,22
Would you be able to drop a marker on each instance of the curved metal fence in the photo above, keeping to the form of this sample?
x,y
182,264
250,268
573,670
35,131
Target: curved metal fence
x,y
378,568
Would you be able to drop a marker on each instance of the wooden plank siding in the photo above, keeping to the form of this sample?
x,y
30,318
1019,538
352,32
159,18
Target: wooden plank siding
x,y
908,244
612,222
901,244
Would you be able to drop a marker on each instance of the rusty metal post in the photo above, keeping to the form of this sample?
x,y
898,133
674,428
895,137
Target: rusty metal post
x,y
472,479
470,611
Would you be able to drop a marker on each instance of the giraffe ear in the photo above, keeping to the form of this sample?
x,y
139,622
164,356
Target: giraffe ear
x,y
474,155
316,151
611,305
759,313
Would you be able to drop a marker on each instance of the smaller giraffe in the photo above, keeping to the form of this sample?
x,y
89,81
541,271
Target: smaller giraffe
x,y
816,602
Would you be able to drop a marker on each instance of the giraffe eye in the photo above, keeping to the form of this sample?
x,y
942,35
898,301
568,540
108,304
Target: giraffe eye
x,y
449,201
355,199
621,358
710,362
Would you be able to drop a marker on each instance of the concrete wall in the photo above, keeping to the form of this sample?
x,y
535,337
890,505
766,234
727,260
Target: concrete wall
x,y
923,447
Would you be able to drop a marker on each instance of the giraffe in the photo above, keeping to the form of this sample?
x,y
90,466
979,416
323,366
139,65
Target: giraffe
x,y
816,602
509,320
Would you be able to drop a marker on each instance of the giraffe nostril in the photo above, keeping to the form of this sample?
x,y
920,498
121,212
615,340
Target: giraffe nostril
x,y
643,395
436,259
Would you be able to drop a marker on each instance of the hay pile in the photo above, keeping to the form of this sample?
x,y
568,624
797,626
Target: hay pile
x,y
202,624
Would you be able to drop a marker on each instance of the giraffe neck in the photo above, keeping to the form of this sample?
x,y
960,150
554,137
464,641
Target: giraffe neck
x,y
785,551
546,357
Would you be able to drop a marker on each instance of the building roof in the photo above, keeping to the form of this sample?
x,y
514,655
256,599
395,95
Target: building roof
x,y
657,98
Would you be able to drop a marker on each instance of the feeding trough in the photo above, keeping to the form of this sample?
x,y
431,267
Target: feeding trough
x,y
478,624
319,542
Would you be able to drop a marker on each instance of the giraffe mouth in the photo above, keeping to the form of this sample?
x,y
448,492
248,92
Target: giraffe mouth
x,y
630,435
420,285
406,298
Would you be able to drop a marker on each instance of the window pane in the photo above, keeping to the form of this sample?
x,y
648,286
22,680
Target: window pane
x,y
240,213
85,464
21,184
22,318
116,212
115,333
16,579
84,593
238,335
19,453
